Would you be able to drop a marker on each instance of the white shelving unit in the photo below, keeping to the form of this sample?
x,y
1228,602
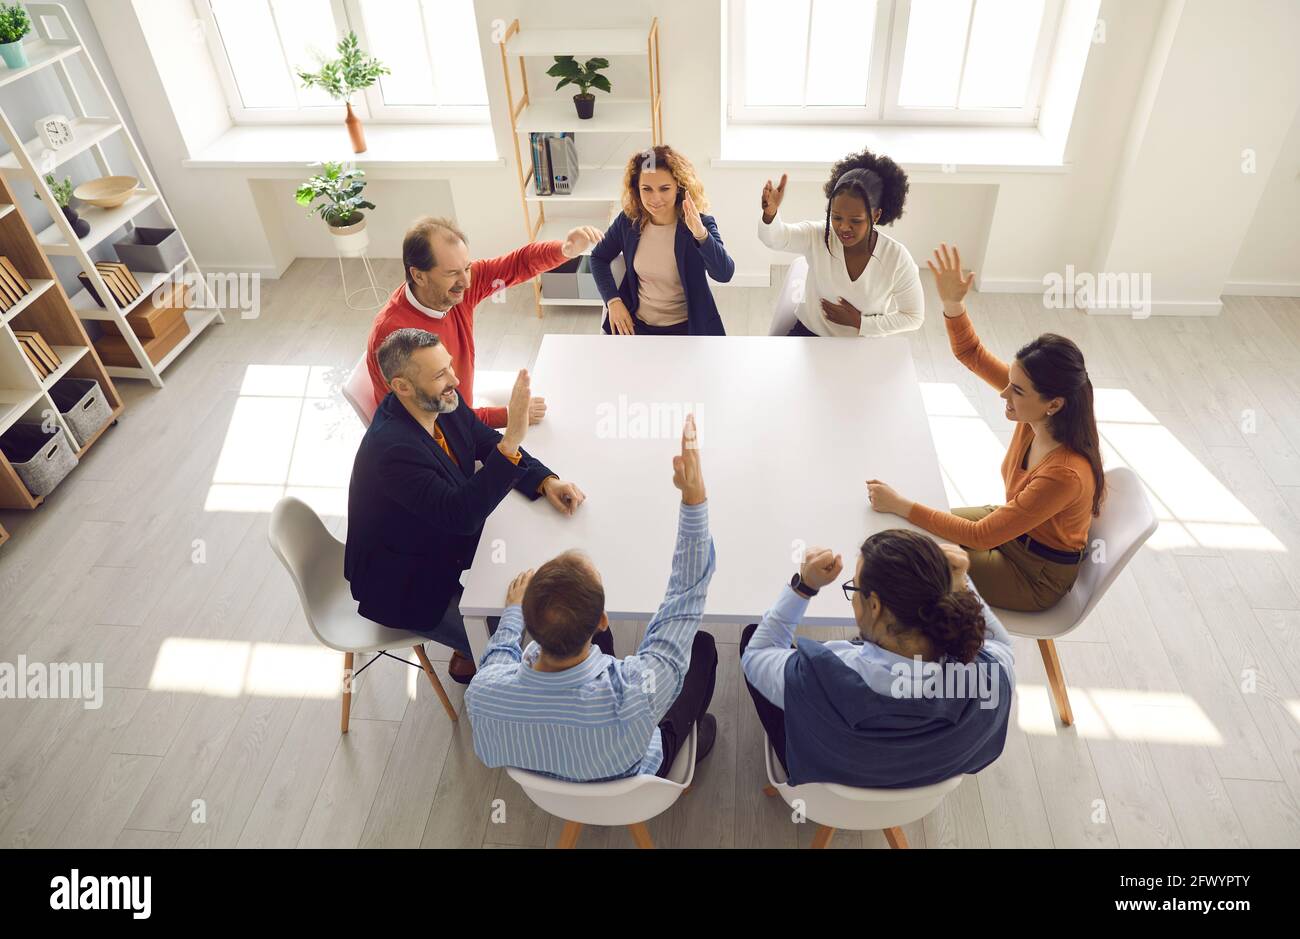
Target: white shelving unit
x,y
28,161
598,191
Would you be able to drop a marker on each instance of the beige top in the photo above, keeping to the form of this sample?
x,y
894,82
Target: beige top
x,y
662,299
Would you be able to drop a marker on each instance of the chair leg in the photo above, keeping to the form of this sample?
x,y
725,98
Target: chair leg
x,y
770,791
569,837
823,836
437,685
347,689
641,835
895,837
1056,678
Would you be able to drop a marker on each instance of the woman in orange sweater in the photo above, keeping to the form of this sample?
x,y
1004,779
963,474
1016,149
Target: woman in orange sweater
x,y
1024,555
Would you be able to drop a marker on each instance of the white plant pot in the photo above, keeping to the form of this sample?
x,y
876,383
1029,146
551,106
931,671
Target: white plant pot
x,y
352,240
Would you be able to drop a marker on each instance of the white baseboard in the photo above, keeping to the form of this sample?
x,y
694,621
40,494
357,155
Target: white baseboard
x,y
267,271
1255,288
1163,308
990,285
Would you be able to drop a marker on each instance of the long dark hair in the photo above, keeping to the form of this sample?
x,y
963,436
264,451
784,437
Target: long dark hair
x,y
910,574
877,180
1055,365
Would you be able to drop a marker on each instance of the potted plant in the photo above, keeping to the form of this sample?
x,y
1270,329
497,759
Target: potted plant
x,y
340,78
340,205
62,192
14,25
569,72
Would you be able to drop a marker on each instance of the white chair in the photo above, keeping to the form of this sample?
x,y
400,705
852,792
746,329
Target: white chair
x,y
359,392
314,559
631,801
850,808
1125,523
785,315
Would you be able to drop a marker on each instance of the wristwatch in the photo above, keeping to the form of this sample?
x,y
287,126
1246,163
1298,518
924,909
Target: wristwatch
x,y
798,586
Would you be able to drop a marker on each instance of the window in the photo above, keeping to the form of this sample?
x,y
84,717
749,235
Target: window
x,y
431,46
890,61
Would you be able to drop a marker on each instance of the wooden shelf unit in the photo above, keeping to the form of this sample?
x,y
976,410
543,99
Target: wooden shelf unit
x,y
48,311
28,161
598,188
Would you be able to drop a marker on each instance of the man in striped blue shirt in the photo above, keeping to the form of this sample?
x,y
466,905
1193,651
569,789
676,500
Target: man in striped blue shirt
x,y
565,707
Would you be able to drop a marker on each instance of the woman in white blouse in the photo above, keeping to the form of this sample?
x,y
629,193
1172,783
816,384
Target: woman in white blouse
x,y
860,282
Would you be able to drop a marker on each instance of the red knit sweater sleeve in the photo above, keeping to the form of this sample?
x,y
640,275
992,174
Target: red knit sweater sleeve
x,y
522,264
970,352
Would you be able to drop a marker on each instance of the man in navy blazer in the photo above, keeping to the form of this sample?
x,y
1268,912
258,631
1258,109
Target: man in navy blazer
x,y
416,504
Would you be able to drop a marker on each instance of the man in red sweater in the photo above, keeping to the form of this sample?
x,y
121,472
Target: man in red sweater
x,y
443,287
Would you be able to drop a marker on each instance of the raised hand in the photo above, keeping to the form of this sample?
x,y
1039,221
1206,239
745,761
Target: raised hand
x,y
517,412
820,567
581,239
691,215
948,279
687,473
772,196
620,320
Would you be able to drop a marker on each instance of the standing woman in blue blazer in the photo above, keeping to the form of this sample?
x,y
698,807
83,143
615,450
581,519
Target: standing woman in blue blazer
x,y
670,248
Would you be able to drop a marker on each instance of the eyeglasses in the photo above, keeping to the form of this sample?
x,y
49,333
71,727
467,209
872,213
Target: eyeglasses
x,y
849,588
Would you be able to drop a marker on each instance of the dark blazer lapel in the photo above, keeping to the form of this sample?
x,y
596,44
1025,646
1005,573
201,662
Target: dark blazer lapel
x,y
458,438
436,452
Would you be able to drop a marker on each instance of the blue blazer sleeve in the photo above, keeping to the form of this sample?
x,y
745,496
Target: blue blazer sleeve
x,y
485,450
717,262
610,247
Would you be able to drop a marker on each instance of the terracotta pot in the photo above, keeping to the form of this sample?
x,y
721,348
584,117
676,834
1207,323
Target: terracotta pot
x,y
355,131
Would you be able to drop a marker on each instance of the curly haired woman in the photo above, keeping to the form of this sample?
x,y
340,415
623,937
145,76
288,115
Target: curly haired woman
x,y
669,247
860,282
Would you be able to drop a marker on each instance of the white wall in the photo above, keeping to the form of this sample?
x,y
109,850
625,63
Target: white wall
x,y
1266,263
1016,226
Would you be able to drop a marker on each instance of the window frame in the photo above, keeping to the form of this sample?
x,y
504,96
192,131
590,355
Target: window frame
x,y
368,104
886,68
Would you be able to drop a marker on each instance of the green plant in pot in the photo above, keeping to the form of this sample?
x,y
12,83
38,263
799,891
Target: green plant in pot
x,y
14,25
62,193
585,76
335,194
343,77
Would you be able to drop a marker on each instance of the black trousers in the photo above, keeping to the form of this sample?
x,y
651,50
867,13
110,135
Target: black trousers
x,y
769,715
692,702
641,328
801,330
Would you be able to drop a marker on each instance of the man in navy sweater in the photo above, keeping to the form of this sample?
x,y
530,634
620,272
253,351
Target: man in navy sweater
x,y
416,504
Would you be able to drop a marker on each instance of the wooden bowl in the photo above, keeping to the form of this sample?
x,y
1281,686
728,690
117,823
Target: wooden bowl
x,y
107,192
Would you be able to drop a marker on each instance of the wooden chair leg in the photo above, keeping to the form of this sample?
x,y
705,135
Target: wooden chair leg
x,y
347,689
437,685
895,837
641,835
569,837
770,791
1056,678
823,836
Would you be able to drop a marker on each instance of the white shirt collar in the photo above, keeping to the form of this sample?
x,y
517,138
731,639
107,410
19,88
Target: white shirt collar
x,y
433,314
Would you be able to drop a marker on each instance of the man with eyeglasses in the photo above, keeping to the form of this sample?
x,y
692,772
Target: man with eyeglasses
x,y
922,695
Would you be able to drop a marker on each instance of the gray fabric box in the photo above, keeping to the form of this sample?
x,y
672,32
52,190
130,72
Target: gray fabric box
x,y
83,406
41,460
156,250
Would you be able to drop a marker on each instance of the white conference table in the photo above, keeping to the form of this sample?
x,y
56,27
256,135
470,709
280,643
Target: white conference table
x,y
789,430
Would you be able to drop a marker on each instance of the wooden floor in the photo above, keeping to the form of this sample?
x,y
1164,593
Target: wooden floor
x,y
219,725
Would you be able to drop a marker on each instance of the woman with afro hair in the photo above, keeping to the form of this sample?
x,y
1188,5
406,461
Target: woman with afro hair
x,y
860,281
